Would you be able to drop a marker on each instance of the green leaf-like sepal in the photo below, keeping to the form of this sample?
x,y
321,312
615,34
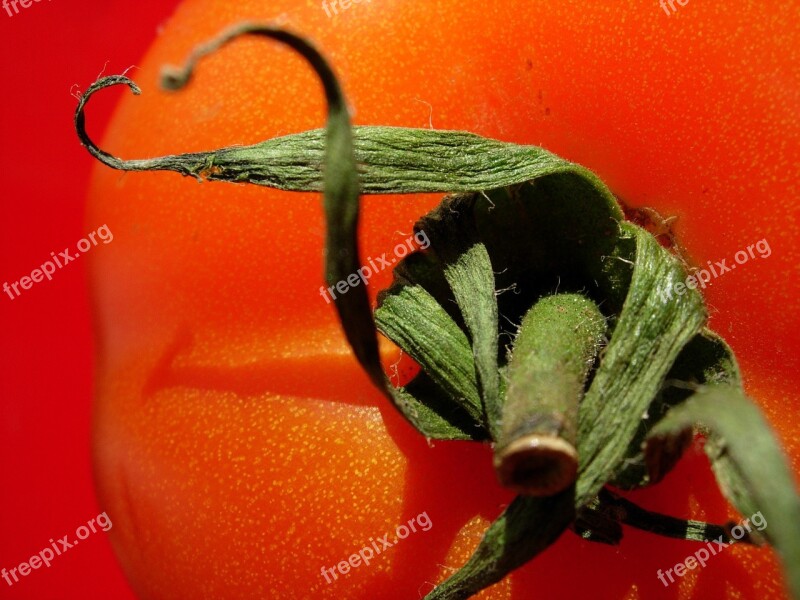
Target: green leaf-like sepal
x,y
748,463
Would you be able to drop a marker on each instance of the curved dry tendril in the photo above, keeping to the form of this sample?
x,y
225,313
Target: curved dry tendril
x,y
190,164
175,78
340,179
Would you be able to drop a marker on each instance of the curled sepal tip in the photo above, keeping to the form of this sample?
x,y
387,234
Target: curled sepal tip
x,y
340,180
80,118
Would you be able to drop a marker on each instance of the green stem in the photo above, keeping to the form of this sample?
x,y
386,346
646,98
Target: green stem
x,y
552,356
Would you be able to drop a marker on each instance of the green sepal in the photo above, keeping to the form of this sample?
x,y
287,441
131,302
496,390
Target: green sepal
x,y
471,279
526,528
707,358
467,268
647,338
411,317
434,414
750,467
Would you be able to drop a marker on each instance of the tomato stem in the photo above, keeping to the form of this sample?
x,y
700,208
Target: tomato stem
x,y
554,350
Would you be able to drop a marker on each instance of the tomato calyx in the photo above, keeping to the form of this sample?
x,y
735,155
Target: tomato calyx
x,y
567,412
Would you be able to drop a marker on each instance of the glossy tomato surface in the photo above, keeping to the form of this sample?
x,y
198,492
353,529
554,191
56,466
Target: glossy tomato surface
x,y
237,443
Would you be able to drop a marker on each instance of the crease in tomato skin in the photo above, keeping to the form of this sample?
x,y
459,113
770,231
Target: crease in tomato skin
x,y
302,376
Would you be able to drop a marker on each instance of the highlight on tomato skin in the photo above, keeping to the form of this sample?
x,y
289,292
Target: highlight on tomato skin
x,y
239,446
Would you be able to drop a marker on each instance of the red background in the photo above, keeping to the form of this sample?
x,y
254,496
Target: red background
x,y
45,337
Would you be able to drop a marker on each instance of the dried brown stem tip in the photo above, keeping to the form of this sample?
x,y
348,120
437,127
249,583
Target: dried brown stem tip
x,y
537,465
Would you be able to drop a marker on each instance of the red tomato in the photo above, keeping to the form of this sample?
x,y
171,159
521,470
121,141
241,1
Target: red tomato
x,y
239,448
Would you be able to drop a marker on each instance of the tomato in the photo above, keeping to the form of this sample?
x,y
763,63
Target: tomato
x,y
239,448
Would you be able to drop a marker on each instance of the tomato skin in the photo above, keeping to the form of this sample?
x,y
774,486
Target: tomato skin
x,y
238,447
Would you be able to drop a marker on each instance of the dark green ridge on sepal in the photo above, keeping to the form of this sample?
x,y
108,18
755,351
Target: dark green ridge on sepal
x,y
536,225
